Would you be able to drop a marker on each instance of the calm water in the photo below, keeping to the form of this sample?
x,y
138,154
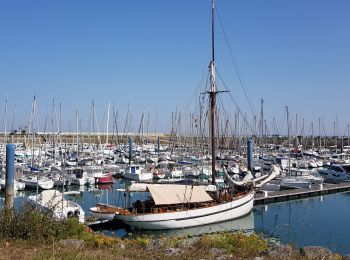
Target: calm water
x,y
322,221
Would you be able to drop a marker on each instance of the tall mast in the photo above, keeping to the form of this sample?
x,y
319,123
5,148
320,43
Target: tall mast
x,y
288,135
312,136
212,31
262,127
107,122
212,95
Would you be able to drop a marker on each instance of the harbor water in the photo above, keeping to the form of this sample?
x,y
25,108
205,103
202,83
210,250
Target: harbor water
x,y
321,221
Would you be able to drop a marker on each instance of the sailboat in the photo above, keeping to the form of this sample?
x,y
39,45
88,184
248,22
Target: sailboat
x,y
173,206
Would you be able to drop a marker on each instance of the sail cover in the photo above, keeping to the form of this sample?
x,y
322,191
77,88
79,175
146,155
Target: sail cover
x,y
176,194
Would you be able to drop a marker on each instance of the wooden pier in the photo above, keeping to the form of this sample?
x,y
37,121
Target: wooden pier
x,y
293,194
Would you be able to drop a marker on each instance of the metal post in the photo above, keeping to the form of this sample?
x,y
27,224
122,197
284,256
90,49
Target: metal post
x,y
130,150
10,175
158,145
250,154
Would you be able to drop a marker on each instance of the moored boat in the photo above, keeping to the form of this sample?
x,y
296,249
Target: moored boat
x,y
54,202
175,206
105,211
104,179
137,173
32,182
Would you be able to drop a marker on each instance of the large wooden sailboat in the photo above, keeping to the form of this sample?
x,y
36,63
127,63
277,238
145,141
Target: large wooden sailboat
x,y
172,206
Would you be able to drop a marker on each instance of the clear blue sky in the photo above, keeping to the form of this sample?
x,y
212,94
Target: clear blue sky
x,y
151,56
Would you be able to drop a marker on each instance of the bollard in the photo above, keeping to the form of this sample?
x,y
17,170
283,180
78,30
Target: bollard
x,y
266,193
130,150
250,154
158,145
10,175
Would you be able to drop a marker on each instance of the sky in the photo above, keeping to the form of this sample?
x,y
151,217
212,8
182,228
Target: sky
x,y
152,57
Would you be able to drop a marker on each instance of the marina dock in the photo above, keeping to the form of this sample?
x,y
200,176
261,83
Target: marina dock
x,y
293,194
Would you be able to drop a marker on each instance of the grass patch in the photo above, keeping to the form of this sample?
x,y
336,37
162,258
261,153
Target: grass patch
x,y
31,234
29,224
238,243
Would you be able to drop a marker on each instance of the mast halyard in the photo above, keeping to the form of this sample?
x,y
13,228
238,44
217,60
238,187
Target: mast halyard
x,y
212,96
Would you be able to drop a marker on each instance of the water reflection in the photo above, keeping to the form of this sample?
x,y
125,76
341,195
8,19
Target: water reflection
x,y
321,221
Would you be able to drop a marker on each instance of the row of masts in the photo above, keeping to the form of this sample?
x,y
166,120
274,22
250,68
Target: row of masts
x,y
191,130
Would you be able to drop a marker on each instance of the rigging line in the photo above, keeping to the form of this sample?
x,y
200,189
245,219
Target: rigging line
x,y
283,119
197,90
221,105
236,104
235,64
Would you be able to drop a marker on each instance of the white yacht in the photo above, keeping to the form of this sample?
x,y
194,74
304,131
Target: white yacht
x,y
80,178
18,185
297,178
32,182
53,201
336,173
137,173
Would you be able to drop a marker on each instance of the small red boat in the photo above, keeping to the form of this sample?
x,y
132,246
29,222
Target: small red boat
x,y
104,179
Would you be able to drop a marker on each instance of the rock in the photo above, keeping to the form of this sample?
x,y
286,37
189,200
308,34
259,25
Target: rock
x,y
346,257
259,258
122,246
218,251
191,241
154,244
316,252
171,251
72,242
281,252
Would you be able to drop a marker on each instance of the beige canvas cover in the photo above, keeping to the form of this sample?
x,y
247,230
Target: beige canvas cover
x,y
176,194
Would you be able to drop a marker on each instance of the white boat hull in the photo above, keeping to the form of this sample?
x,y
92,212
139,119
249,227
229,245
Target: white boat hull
x,y
17,185
138,177
293,184
59,209
191,218
101,215
82,181
42,185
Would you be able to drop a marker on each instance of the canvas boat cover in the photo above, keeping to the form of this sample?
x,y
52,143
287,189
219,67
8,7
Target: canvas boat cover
x,y
168,194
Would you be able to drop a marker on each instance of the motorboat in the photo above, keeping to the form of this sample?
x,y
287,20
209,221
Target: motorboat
x,y
33,182
55,203
336,173
137,173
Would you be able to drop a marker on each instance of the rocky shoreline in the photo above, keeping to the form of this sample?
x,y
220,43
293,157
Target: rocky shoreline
x,y
183,246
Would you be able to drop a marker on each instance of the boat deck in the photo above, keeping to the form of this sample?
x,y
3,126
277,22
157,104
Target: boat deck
x,y
292,194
